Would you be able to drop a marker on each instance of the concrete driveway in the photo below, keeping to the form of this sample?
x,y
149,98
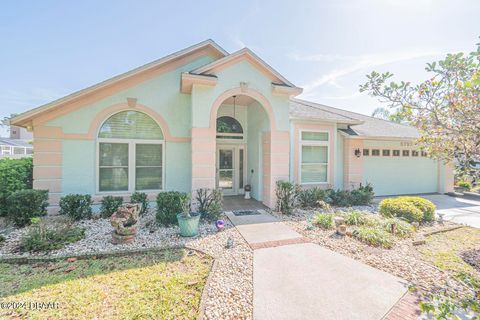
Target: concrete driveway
x,y
459,210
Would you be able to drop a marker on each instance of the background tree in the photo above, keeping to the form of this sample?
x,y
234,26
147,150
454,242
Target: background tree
x,y
386,114
445,108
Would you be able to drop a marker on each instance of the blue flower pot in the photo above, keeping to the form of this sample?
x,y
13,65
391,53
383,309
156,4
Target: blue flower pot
x,y
188,225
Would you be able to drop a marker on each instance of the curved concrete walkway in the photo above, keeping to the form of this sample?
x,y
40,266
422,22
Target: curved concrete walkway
x,y
306,281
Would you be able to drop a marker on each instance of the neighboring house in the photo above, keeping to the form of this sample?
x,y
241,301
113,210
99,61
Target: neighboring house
x,y
18,145
203,118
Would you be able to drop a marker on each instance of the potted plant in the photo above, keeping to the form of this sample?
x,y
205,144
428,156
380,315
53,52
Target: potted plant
x,y
187,221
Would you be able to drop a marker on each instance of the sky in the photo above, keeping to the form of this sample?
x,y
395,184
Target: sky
x,y
52,48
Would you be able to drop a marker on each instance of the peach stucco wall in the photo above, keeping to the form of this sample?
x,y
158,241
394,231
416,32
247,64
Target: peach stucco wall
x,y
352,165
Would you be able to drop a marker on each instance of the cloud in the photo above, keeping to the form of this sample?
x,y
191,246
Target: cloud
x,y
357,63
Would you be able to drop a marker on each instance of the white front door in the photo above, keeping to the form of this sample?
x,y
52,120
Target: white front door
x,y
231,169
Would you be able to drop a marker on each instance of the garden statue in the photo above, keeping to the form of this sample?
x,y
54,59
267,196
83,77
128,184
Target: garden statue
x,y
124,222
340,226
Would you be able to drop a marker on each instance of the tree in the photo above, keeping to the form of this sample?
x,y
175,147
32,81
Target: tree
x,y
445,108
5,122
386,114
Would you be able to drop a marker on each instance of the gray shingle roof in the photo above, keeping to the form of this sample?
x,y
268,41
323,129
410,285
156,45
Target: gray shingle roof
x,y
300,109
368,126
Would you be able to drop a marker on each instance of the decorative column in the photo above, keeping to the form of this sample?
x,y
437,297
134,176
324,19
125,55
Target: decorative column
x,y
276,163
203,158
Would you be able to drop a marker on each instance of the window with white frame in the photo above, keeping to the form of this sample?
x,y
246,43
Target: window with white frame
x,y
130,153
313,157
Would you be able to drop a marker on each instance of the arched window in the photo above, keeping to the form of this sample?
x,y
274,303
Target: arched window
x,y
229,128
130,153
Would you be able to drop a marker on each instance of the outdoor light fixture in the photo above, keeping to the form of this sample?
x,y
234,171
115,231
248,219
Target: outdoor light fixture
x,y
357,153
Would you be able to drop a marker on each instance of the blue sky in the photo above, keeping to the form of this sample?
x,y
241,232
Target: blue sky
x,y
53,48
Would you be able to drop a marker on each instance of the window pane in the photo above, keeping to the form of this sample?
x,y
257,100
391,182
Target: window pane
x,y
228,125
226,159
113,154
314,154
240,170
148,155
314,136
386,153
226,179
314,173
149,178
131,125
113,179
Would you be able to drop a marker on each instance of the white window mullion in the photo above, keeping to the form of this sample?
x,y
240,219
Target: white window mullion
x,y
131,168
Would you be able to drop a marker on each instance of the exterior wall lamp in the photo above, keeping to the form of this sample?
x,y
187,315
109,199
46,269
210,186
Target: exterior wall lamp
x,y
357,153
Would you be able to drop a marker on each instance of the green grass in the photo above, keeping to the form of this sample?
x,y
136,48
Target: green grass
x,y
444,250
164,285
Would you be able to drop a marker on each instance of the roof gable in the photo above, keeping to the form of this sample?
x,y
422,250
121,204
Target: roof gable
x,y
124,80
244,54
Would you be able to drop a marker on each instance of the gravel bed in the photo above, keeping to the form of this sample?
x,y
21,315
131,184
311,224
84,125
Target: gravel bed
x,y
229,292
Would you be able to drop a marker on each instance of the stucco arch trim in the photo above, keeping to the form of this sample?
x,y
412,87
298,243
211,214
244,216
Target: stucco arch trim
x,y
247,92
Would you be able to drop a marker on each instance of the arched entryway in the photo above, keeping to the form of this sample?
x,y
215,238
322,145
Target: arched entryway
x,y
243,144
240,124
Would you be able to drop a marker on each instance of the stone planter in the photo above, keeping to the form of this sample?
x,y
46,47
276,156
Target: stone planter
x,y
125,222
188,225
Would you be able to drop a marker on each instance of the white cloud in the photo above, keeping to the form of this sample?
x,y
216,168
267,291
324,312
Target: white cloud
x,y
357,63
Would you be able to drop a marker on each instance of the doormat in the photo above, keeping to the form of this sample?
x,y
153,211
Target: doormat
x,y
245,212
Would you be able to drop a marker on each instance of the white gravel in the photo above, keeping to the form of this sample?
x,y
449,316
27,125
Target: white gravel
x,y
229,291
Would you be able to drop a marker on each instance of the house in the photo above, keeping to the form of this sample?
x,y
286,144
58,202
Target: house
x,y
202,117
18,145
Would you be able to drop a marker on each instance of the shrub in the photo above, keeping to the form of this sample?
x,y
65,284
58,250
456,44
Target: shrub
x,y
409,208
362,196
110,204
76,206
140,197
43,238
426,206
374,236
286,194
403,229
393,207
310,198
465,185
210,203
355,218
341,198
15,175
25,204
323,220
169,204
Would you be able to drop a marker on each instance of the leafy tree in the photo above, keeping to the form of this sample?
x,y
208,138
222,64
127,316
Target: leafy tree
x,y
445,108
385,114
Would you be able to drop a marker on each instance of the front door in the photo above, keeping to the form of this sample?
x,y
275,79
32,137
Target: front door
x,y
226,175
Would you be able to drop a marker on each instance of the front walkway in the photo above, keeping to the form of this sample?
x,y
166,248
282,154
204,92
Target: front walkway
x,y
294,279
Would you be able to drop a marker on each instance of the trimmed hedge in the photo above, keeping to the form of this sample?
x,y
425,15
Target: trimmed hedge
x,y
409,208
15,175
23,205
140,197
169,204
76,206
110,204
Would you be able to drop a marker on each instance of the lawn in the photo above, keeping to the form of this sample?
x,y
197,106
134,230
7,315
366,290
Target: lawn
x,y
163,285
445,250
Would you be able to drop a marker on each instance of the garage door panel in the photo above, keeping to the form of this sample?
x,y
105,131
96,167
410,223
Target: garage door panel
x,y
397,175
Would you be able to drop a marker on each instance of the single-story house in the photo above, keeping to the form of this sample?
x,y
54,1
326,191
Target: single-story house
x,y
202,117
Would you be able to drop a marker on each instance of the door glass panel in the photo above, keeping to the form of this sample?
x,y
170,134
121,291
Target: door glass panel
x,y
226,172
240,169
226,179
226,159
